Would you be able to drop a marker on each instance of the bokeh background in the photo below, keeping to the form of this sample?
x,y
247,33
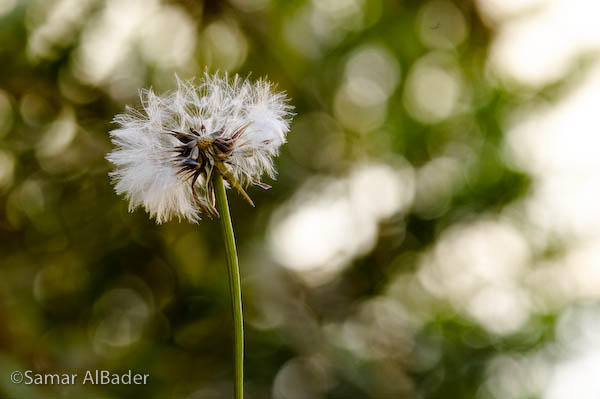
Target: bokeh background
x,y
434,231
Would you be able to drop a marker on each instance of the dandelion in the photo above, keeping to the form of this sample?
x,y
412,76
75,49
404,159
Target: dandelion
x,y
177,154
168,151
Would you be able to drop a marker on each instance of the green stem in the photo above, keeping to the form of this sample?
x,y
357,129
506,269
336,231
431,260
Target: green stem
x,y
234,282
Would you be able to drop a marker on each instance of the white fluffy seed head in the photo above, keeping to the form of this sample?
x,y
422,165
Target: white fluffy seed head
x,y
162,161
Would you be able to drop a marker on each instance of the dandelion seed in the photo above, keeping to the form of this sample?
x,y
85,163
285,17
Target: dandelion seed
x,y
168,151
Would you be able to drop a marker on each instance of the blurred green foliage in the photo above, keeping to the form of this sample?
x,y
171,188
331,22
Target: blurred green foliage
x,y
87,285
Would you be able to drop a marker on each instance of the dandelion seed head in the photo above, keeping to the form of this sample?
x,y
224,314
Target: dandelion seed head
x,y
168,150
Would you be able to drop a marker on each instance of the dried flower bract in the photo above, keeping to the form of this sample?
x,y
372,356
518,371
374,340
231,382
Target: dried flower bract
x,y
168,151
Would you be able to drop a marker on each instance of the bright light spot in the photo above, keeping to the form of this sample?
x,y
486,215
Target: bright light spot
x,y
477,268
35,109
381,329
558,145
301,378
58,136
364,92
576,374
433,88
120,318
319,238
540,48
298,36
168,38
321,24
436,182
467,255
496,10
30,198
550,286
576,378
7,6
227,46
332,19
375,71
441,25
371,76
330,222
565,368
7,169
338,8
500,309
387,183
516,376
579,272
107,41
57,28
106,55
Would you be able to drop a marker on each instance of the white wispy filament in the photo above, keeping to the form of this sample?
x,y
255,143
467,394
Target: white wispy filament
x,y
167,152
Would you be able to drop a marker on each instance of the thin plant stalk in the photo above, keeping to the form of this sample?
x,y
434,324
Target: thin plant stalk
x,y
234,283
